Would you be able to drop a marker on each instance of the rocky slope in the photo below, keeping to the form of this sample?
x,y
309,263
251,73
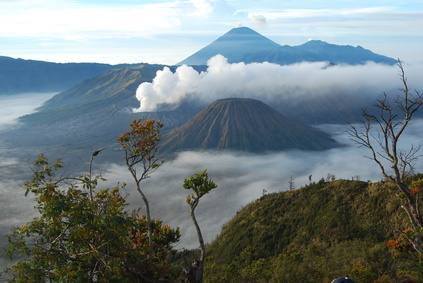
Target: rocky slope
x,y
244,125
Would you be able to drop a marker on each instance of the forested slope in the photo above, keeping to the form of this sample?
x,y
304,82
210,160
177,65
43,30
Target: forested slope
x,y
313,234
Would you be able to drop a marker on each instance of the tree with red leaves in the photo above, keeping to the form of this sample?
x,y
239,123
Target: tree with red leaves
x,y
141,145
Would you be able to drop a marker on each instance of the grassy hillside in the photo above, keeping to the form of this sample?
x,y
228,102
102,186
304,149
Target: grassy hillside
x,y
91,114
314,234
111,87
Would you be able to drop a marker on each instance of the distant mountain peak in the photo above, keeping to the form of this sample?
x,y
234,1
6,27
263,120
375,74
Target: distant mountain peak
x,y
244,33
246,38
243,44
237,45
242,30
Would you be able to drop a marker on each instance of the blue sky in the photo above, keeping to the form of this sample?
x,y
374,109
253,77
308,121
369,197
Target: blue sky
x,y
131,31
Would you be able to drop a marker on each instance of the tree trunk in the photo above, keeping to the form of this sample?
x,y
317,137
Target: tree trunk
x,y
150,228
198,276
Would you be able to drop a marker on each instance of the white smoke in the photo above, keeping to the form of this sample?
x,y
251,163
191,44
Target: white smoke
x,y
168,87
264,81
258,20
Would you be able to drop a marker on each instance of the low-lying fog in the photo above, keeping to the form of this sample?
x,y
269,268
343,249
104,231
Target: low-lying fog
x,y
16,105
241,179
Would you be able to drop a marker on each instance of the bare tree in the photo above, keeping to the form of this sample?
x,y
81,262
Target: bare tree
x,y
381,132
291,184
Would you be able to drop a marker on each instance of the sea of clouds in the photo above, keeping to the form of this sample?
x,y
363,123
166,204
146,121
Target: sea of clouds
x,y
241,179
16,105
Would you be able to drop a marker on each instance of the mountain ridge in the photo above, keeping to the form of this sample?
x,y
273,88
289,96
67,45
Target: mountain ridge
x,y
95,111
22,76
344,54
237,45
312,234
248,46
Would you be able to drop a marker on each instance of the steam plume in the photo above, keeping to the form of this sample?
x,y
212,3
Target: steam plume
x,y
265,81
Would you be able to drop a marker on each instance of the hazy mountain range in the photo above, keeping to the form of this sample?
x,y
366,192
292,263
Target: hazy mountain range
x,y
20,76
97,109
237,45
245,45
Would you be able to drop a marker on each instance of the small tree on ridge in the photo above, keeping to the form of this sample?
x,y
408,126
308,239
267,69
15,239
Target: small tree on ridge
x,y
141,145
201,185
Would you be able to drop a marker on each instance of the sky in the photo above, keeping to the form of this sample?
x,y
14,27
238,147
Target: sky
x,y
166,32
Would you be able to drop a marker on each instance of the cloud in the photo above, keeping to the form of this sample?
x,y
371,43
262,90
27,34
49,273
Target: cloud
x,y
345,18
241,179
8,161
203,7
265,81
14,106
258,20
57,19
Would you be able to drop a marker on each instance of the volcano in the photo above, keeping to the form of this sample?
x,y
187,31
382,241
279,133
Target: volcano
x,y
245,45
244,125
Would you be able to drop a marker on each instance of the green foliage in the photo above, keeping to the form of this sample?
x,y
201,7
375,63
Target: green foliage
x,y
403,247
79,239
200,184
141,142
313,234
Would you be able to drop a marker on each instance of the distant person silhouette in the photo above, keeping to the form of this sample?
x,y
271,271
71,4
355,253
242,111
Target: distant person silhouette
x,y
343,279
